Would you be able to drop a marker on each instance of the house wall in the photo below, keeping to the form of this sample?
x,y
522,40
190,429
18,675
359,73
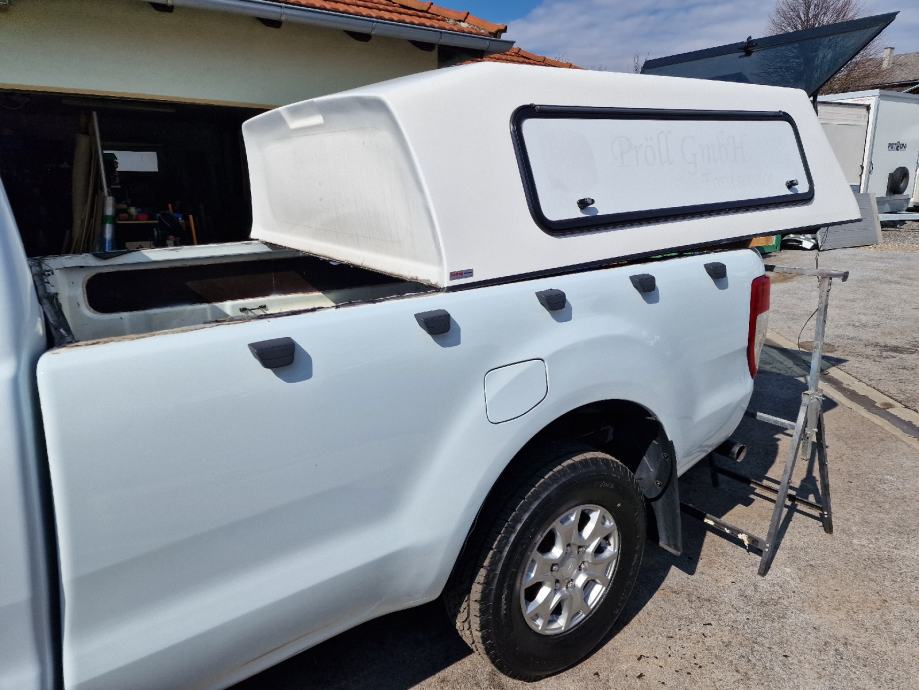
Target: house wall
x,y
125,48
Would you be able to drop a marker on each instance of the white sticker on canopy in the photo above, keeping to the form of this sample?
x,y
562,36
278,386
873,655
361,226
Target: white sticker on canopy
x,y
647,165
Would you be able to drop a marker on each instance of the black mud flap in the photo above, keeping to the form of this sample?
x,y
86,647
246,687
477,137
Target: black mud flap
x,y
656,475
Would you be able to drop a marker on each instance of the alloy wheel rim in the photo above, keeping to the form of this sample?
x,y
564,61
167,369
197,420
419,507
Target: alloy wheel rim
x,y
569,569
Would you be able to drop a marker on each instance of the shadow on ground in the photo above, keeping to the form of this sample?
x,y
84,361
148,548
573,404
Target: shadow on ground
x,y
779,385
393,652
403,649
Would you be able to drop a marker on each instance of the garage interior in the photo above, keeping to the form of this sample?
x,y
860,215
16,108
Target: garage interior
x,y
177,172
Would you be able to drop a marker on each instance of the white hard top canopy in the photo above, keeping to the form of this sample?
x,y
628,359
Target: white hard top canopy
x,y
490,171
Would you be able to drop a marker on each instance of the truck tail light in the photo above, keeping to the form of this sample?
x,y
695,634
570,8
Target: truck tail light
x,y
759,320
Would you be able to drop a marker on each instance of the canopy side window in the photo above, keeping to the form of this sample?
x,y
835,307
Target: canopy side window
x,y
590,168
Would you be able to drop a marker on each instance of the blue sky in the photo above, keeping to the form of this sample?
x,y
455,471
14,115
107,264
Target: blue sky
x,y
605,34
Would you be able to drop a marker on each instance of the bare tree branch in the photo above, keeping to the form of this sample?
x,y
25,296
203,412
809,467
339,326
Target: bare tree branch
x,y
638,62
797,15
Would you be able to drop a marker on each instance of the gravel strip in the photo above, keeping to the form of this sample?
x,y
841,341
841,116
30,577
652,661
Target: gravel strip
x,y
903,238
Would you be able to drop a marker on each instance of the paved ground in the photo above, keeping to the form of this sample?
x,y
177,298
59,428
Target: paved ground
x,y
874,316
838,611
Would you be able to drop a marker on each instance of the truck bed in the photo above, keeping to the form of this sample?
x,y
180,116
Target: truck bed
x,y
98,296
208,504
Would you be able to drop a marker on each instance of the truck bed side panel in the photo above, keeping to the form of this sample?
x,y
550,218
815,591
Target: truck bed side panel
x,y
215,515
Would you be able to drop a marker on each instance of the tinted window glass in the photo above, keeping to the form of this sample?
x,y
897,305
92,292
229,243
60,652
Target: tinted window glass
x,y
801,59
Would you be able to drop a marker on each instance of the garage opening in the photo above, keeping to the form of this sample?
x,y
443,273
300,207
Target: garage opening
x,y
177,172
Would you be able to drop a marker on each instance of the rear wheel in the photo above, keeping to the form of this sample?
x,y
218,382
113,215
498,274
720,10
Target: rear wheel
x,y
548,582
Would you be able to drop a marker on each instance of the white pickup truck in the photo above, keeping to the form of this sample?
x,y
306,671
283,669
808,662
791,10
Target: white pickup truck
x,y
488,316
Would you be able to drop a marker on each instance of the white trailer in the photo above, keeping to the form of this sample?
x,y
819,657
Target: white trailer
x,y
846,128
891,145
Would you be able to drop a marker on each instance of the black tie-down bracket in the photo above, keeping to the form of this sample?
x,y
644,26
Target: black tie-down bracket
x,y
808,437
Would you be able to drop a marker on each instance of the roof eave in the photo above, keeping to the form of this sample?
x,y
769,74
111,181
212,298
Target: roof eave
x,y
281,12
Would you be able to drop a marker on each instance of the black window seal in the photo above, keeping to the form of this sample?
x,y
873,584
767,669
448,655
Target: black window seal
x,y
612,221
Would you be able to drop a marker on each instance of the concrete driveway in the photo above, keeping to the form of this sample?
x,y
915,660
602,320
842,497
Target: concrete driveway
x,y
874,316
835,611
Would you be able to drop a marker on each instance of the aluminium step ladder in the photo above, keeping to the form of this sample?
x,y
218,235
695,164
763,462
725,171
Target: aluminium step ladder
x,y
808,437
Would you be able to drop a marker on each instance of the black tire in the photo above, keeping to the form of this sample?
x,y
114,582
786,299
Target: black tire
x,y
484,595
897,181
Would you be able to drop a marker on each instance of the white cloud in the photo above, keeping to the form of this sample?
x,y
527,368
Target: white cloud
x,y
606,34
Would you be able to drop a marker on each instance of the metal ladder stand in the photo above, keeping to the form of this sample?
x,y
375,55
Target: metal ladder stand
x,y
809,436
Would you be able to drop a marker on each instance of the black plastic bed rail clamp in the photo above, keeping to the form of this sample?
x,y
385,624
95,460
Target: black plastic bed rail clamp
x,y
644,282
552,300
275,353
436,322
716,270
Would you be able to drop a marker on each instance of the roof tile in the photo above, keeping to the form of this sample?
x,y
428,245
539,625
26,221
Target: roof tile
x,y
519,56
490,27
425,14
903,69
448,13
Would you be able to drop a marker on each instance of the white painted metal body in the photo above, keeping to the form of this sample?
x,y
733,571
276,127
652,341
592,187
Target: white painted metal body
x,y
418,177
892,139
215,516
26,652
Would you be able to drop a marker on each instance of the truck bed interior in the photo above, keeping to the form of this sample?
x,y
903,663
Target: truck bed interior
x,y
99,296
184,213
